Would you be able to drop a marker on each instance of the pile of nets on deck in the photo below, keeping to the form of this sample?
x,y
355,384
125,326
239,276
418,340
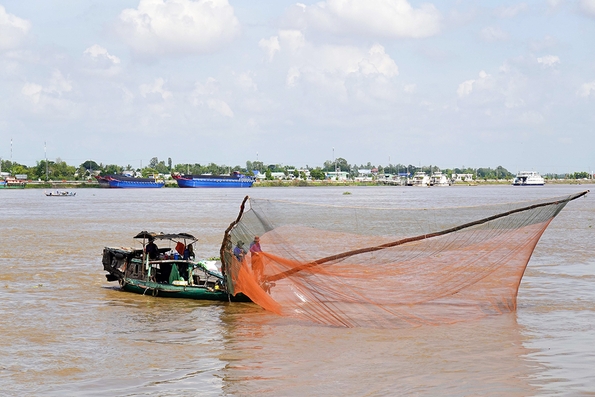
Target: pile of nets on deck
x,y
384,267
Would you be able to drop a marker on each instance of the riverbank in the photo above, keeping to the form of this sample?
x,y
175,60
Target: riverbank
x,y
295,183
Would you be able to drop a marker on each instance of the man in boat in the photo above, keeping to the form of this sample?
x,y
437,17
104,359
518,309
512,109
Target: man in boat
x,y
189,252
239,251
151,249
257,265
255,245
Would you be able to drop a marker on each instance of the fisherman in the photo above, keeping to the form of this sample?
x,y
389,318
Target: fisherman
x,y
189,252
255,245
151,249
239,250
256,258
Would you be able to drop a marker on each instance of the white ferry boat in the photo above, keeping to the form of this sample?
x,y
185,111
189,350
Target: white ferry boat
x,y
528,178
439,179
419,179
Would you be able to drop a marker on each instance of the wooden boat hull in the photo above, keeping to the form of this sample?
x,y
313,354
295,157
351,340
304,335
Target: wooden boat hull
x,y
179,291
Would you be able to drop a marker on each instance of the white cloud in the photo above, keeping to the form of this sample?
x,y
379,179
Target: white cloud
x,y
97,52
209,94
378,18
245,81
271,46
57,85
512,11
338,71
293,74
177,27
492,34
549,60
410,88
336,59
466,87
220,107
588,7
13,30
586,89
32,91
155,88
293,40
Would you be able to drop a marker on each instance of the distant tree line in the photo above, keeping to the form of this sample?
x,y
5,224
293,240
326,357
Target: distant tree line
x,y
60,170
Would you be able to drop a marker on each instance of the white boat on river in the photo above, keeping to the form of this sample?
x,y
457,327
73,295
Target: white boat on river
x,y
528,178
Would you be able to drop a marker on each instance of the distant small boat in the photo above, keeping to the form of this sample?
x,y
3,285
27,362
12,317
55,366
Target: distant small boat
x,y
528,178
60,193
237,179
121,181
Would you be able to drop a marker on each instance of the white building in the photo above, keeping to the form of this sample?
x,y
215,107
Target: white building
x,y
337,176
462,177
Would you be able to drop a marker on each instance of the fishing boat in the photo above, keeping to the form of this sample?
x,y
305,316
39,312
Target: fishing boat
x,y
528,178
122,181
236,179
170,271
60,193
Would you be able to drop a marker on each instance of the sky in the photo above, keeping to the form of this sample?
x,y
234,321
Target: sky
x,y
446,83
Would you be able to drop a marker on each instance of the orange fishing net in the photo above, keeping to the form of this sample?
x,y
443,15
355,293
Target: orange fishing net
x,y
375,267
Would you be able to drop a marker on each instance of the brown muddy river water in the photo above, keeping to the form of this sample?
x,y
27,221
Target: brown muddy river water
x,y
67,331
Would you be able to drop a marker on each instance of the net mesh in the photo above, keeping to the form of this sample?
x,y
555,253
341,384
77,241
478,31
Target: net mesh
x,y
381,267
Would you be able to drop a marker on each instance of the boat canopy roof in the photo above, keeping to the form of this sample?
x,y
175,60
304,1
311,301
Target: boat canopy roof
x,y
165,236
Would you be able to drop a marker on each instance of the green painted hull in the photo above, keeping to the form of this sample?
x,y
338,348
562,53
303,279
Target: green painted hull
x,y
179,291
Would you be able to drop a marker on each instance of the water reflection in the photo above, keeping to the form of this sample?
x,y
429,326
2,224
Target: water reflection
x,y
273,357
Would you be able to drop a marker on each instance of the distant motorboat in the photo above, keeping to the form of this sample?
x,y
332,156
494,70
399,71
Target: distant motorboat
x,y
528,178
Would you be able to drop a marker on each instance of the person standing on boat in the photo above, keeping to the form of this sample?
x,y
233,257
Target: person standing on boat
x,y
151,249
255,245
257,265
239,251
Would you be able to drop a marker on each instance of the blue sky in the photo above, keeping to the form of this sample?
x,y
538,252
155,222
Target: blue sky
x,y
449,83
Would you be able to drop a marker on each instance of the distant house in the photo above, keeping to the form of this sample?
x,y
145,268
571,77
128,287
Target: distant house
x,y
337,176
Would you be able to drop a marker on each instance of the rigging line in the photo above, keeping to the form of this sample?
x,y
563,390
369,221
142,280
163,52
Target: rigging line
x,y
420,237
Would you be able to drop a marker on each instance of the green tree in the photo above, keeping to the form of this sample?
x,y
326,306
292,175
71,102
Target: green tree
x,y
317,174
580,175
111,169
161,168
148,171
